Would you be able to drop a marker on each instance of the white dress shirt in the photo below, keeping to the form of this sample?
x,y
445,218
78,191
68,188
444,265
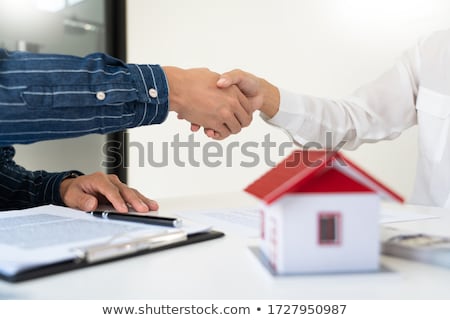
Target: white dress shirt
x,y
415,91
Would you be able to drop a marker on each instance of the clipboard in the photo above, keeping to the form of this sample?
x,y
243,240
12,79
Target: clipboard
x,y
48,240
97,255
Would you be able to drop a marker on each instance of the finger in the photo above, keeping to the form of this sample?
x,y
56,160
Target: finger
x,y
209,132
88,202
151,204
214,134
134,200
131,196
244,114
233,125
78,199
104,186
195,127
222,131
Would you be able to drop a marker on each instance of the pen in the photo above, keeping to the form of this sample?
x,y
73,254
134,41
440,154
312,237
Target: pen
x,y
155,220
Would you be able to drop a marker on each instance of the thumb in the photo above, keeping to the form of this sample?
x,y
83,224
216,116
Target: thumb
x,y
246,82
229,78
223,82
86,202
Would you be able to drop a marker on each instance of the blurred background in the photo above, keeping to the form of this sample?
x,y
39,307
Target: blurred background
x,y
76,27
325,48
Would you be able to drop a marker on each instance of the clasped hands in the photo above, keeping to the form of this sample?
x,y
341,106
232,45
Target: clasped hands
x,y
222,104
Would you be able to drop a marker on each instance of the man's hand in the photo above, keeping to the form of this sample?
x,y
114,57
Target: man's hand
x,y
261,95
195,96
89,191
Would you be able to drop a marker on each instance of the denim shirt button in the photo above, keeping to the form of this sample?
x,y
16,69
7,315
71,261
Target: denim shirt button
x,y
100,95
153,93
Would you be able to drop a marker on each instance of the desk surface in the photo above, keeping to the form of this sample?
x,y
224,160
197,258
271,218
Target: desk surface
x,y
227,268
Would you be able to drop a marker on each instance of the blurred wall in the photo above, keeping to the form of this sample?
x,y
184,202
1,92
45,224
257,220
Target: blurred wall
x,y
325,48
52,27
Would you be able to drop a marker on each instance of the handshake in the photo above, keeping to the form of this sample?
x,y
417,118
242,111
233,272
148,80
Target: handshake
x,y
221,104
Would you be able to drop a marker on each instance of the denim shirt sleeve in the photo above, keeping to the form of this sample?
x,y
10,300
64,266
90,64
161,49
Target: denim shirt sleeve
x,y
20,188
49,96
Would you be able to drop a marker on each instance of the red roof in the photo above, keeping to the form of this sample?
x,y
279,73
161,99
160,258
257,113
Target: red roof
x,y
321,171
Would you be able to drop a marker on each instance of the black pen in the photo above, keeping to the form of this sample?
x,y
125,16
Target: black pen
x,y
155,220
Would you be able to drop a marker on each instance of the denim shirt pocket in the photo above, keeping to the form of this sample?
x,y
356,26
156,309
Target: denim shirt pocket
x,y
11,96
433,116
38,97
77,96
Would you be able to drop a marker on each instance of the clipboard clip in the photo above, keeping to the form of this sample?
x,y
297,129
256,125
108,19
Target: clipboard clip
x,y
101,252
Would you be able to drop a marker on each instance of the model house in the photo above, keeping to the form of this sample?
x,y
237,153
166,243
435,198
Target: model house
x,y
320,213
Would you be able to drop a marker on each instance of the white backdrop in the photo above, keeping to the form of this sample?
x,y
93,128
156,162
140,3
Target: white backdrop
x,y
321,47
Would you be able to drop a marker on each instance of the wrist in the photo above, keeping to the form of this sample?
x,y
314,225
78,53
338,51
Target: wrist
x,y
67,181
174,77
271,99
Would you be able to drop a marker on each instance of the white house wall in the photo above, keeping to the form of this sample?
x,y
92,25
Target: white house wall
x,y
273,231
299,250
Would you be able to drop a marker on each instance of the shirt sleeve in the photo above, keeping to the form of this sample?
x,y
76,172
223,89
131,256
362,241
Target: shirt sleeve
x,y
48,96
379,110
20,188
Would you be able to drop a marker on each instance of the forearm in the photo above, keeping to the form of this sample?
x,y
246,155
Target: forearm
x,y
271,99
20,188
379,110
58,96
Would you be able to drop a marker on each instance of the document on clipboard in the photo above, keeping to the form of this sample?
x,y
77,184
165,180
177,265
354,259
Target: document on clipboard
x,y
51,239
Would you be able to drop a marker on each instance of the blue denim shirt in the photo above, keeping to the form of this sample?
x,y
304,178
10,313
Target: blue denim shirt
x,y
48,96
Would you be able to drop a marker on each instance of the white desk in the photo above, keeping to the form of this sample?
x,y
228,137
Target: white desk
x,y
227,269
